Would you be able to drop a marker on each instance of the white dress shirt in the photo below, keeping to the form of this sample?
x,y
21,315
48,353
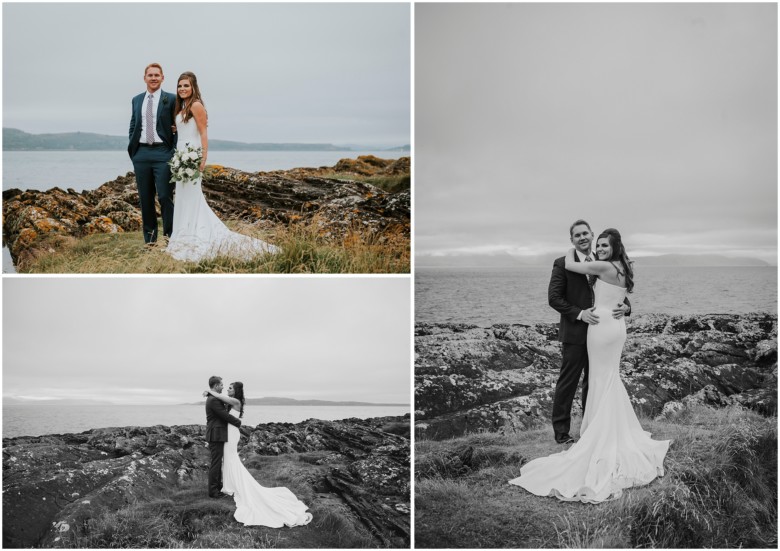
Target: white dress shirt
x,y
155,102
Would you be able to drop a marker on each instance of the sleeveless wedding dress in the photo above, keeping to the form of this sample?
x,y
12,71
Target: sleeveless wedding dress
x,y
197,232
613,451
257,505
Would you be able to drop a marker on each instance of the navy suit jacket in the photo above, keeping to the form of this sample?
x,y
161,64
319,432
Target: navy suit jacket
x,y
165,120
217,419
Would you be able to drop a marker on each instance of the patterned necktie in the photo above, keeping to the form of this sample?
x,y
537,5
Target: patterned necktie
x,y
149,121
591,277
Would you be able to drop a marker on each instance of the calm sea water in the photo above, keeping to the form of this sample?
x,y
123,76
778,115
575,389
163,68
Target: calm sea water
x,y
34,420
83,170
486,296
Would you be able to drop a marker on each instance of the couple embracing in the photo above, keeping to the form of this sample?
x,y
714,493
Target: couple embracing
x,y
256,505
613,452
164,125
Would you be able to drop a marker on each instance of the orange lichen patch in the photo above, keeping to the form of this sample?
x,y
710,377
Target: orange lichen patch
x,y
216,171
27,237
49,225
102,224
295,217
126,221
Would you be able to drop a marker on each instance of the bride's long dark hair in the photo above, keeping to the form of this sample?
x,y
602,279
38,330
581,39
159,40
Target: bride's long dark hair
x,y
186,108
619,254
238,394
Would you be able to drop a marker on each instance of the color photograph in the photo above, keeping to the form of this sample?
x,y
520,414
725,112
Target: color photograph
x,y
207,138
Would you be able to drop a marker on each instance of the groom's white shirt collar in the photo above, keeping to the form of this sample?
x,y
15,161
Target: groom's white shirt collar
x,y
581,256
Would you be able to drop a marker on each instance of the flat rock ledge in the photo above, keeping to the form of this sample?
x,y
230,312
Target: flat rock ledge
x,y
36,220
56,482
502,378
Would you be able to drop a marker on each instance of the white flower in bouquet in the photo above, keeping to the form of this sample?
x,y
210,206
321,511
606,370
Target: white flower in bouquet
x,y
185,165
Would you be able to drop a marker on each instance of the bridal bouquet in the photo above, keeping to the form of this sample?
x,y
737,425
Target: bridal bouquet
x,y
185,164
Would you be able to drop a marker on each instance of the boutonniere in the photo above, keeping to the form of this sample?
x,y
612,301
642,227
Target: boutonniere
x,y
165,100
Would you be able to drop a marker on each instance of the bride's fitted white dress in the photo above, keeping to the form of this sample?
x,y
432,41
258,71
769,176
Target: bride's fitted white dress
x,y
613,451
257,505
197,232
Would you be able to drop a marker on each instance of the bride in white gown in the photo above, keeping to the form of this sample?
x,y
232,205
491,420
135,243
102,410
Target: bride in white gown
x,y
197,232
613,452
256,505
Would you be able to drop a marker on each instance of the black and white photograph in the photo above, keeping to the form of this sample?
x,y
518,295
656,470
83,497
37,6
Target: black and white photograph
x,y
206,412
206,137
595,275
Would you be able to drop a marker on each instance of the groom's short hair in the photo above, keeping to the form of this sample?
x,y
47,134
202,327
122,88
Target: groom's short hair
x,y
154,65
213,380
578,223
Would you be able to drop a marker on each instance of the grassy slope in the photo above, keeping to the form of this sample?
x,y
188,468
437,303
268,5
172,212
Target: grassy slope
x,y
188,518
303,251
720,490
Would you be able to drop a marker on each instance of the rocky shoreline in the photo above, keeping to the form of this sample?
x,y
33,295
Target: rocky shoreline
x,y
502,378
55,483
35,220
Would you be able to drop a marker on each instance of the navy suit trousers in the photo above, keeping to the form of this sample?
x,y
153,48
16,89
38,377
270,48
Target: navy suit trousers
x,y
153,175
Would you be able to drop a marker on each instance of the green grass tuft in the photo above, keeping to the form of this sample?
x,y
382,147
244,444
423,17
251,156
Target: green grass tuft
x,y
304,250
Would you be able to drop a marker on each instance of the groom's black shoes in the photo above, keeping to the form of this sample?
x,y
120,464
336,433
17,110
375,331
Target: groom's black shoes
x,y
564,439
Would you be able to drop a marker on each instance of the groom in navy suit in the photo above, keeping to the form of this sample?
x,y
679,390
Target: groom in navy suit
x,y
152,141
571,294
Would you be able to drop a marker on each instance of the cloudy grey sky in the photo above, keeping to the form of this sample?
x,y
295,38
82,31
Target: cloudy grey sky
x,y
158,340
295,72
657,119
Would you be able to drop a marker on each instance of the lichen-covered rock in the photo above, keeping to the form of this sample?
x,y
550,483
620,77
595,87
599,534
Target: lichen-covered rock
x,y
502,378
31,218
55,483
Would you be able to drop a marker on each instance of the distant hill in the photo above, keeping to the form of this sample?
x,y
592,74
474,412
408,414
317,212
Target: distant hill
x,y
508,261
276,401
18,140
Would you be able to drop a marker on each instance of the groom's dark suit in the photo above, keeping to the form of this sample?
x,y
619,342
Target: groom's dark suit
x,y
150,162
570,293
217,418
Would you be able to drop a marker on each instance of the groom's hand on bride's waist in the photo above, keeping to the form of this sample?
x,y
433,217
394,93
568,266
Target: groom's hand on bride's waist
x,y
589,317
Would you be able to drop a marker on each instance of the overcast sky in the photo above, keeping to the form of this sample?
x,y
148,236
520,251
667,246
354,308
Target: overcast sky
x,y
657,119
333,73
158,340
